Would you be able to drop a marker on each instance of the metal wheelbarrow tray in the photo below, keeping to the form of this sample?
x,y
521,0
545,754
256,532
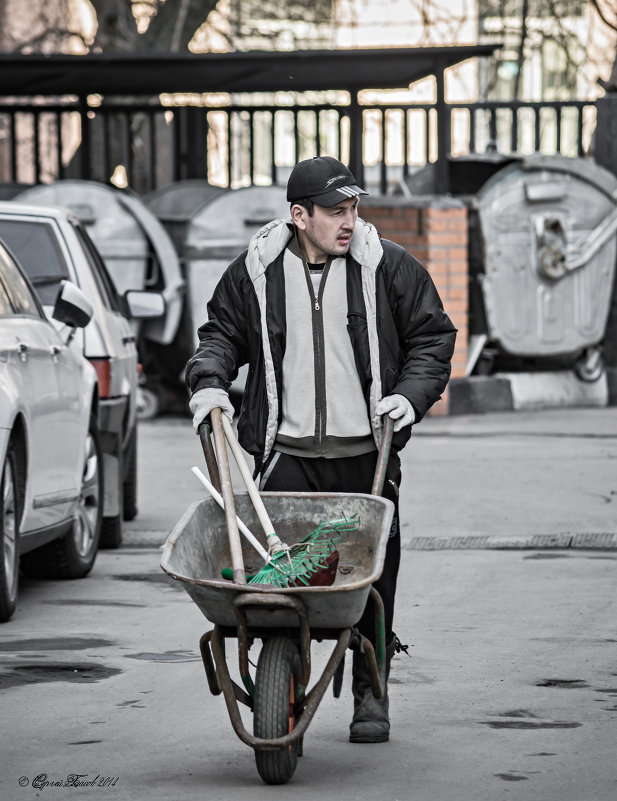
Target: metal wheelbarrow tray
x,y
197,550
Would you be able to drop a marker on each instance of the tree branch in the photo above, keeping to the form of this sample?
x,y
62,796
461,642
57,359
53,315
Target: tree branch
x,y
175,24
117,27
602,15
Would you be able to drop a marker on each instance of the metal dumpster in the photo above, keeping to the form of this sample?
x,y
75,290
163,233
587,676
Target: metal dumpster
x,y
175,204
542,262
219,231
211,227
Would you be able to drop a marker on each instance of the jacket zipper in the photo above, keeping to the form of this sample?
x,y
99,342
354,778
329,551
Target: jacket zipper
x,y
319,359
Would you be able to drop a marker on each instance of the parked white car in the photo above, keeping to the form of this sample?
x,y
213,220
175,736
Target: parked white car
x,y
50,458
51,245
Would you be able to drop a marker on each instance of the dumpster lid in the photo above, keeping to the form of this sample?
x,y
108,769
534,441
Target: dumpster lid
x,y
585,170
114,231
229,221
177,202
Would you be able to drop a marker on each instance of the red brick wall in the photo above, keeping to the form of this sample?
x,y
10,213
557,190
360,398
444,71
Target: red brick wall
x,y
435,231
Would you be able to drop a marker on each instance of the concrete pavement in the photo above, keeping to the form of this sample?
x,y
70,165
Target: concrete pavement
x,y
510,691
513,477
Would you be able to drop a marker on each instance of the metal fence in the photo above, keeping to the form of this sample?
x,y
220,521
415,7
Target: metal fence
x,y
146,146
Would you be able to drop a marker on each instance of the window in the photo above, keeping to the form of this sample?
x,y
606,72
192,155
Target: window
x,y
22,298
535,8
5,304
37,251
99,271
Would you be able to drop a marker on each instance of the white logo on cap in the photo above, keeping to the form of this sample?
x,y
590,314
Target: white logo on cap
x,y
347,191
336,178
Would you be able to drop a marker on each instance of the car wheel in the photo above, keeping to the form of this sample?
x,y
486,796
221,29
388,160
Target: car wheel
x,y
9,528
129,487
148,403
73,555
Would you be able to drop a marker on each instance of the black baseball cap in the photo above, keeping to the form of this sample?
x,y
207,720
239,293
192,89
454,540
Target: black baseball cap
x,y
324,180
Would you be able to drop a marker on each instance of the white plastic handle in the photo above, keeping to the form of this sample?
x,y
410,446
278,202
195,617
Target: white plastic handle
x,y
219,499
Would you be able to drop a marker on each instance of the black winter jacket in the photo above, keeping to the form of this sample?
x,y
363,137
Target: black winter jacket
x,y
401,337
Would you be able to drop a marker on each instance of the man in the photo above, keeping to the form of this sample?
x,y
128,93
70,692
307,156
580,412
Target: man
x,y
339,328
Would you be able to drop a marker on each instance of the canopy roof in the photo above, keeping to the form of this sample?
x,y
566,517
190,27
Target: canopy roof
x,y
262,71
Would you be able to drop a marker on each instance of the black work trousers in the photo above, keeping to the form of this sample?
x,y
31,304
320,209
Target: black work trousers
x,y
285,473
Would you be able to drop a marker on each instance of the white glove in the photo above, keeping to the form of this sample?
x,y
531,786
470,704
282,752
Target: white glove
x,y
398,408
204,400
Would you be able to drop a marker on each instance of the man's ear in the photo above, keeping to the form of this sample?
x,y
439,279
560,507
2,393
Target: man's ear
x,y
298,216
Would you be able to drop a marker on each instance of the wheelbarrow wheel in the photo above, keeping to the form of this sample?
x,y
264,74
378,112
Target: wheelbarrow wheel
x,y
276,687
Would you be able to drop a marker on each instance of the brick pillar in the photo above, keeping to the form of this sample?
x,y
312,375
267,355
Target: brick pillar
x,y
434,230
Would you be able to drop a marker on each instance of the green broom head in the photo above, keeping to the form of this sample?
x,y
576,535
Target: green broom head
x,y
310,562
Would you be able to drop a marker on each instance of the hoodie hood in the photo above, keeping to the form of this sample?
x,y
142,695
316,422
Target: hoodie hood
x,y
266,245
271,240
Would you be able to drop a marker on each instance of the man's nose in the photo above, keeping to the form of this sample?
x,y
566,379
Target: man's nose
x,y
350,217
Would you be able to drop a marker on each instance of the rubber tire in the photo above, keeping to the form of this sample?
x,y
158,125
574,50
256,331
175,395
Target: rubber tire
x,y
148,404
9,558
129,486
277,677
62,558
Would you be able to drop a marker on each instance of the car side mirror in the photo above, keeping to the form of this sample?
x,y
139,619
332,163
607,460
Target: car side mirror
x,y
144,304
72,307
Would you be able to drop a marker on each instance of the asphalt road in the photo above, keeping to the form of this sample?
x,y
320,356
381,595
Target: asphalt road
x,y
510,691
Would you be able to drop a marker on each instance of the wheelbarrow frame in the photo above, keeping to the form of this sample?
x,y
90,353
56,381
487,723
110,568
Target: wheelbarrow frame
x,y
212,651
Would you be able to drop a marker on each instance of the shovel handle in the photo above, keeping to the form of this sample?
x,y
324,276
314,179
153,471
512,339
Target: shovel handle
x,y
384,455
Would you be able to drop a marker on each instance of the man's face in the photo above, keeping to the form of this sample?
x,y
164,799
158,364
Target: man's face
x,y
327,232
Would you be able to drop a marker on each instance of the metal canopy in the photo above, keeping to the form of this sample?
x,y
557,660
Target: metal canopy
x,y
151,74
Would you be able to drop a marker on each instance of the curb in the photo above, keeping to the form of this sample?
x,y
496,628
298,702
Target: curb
x,y
507,392
585,541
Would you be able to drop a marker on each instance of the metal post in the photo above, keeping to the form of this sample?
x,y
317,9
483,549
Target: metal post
x,y
85,138
192,133
444,133
356,164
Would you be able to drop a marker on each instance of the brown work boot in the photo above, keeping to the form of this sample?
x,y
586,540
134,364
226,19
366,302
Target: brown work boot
x,y
371,723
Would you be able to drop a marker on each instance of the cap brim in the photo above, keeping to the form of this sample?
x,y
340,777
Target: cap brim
x,y
338,195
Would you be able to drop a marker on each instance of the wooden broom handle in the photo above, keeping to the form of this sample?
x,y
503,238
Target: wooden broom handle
x,y
251,487
237,563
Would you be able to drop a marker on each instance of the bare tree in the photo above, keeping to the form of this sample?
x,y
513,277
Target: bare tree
x,y
607,11
155,25
533,26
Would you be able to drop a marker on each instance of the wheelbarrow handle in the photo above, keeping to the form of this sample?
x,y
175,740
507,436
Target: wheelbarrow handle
x,y
209,455
227,492
383,456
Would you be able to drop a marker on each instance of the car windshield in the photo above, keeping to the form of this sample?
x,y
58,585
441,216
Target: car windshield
x,y
36,249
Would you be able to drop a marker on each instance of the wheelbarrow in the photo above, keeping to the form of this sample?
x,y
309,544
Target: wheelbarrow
x,y
287,620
